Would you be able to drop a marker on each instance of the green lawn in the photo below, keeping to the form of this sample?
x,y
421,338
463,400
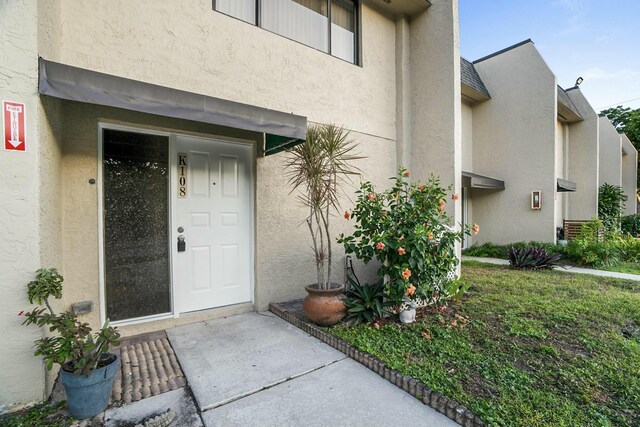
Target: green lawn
x,y
539,348
625,267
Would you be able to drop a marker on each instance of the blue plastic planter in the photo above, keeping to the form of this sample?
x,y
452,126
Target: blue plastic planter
x,y
88,396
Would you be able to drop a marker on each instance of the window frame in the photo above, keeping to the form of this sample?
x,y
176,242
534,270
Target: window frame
x,y
357,48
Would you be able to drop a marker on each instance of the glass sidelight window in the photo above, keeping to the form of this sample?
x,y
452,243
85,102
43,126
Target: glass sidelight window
x,y
327,25
136,224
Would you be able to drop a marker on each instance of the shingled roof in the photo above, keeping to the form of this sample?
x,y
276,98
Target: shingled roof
x,y
469,76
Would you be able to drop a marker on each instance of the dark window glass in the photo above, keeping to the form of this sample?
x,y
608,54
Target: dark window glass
x,y
136,251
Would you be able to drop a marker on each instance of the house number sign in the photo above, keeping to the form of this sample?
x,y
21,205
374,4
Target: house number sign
x,y
183,167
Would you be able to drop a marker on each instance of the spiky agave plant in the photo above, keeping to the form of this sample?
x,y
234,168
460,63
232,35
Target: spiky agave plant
x,y
318,168
532,258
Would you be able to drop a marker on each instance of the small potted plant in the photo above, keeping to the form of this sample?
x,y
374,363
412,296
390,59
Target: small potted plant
x,y
88,369
318,168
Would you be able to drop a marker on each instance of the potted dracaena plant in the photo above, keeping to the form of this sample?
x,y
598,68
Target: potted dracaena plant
x,y
88,369
318,168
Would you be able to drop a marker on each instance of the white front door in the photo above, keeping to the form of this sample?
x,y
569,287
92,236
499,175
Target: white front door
x,y
212,211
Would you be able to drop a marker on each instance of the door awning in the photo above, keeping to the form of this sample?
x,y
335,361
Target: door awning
x,y
472,180
566,186
281,130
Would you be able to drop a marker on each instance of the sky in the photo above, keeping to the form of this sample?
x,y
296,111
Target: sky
x,y
593,39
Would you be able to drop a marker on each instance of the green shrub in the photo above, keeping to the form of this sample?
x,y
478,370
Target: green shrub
x,y
588,249
631,225
532,258
629,248
487,249
408,231
610,206
493,250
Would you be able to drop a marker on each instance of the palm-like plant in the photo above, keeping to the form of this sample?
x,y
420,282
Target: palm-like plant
x,y
318,168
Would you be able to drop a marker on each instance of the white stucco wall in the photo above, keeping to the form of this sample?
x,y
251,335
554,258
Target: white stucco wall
x,y
436,129
514,136
583,159
21,374
629,175
467,137
561,158
610,170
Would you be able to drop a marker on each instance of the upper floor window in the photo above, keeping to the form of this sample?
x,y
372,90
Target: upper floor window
x,y
327,25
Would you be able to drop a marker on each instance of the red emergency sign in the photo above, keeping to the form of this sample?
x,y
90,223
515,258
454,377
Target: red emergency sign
x,y
13,114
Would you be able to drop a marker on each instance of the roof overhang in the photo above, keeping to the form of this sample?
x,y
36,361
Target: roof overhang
x,y
564,186
567,111
399,7
472,180
281,130
568,115
472,96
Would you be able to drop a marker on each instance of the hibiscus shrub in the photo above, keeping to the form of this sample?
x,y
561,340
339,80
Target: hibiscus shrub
x,y
407,230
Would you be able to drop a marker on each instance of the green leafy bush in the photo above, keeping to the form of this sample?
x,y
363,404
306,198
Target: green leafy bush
x,y
629,248
588,249
532,258
488,249
493,250
630,224
407,230
610,206
366,303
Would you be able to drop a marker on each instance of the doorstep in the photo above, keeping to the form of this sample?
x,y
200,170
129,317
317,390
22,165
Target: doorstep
x,y
293,313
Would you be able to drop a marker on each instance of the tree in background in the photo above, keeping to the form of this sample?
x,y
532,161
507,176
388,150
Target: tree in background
x,y
628,121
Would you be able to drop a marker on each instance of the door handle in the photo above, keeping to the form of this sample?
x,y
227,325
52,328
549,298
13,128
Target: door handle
x,y
182,245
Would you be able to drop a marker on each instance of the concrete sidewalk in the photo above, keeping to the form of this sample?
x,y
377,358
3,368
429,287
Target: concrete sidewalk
x,y
567,269
257,369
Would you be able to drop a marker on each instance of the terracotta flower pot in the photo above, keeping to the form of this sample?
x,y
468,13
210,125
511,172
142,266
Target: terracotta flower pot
x,y
325,307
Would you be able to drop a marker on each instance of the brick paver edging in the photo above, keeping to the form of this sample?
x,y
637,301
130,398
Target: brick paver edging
x,y
446,406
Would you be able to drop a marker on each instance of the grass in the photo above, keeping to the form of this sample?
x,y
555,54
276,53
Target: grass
x,y
542,348
625,267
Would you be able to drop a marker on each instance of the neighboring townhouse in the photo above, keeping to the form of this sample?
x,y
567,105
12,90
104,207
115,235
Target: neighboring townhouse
x,y
618,163
137,123
529,148
629,175
610,171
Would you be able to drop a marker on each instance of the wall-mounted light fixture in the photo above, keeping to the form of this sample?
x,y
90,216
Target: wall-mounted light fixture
x,y
536,199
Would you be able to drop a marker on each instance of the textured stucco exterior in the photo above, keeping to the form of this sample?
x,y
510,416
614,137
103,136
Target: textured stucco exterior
x,y
402,106
561,159
583,159
514,135
610,171
629,174
436,130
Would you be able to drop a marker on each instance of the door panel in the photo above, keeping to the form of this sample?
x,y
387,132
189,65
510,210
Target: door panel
x,y
215,212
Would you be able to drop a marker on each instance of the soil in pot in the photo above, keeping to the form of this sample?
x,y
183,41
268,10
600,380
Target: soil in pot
x,y
325,307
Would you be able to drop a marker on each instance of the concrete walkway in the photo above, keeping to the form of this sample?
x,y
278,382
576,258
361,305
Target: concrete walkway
x,y
257,369
567,269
